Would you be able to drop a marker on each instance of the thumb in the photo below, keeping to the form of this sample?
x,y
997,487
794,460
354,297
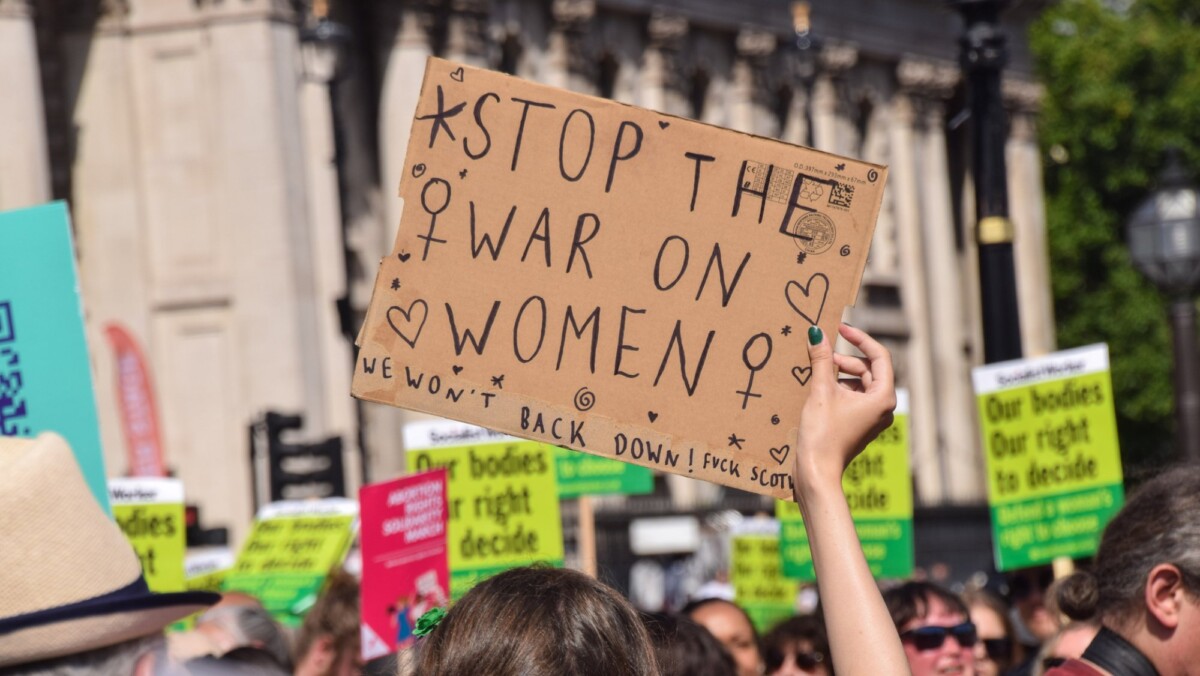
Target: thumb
x,y
820,357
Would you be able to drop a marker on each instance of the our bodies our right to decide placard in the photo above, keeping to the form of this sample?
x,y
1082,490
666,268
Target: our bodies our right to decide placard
x,y
612,279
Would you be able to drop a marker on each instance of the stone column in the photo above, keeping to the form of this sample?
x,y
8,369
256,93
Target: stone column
x,y
404,64
663,86
25,159
466,33
569,65
750,107
959,443
836,58
914,293
326,243
1028,212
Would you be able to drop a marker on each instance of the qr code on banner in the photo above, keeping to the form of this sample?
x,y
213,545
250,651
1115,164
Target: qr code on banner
x,y
12,402
841,195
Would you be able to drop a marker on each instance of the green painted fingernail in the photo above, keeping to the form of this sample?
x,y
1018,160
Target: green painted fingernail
x,y
814,335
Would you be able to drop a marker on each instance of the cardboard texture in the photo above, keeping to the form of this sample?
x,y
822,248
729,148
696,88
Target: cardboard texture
x,y
612,279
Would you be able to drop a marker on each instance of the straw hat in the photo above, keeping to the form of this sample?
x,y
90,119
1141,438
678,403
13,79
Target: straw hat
x,y
69,580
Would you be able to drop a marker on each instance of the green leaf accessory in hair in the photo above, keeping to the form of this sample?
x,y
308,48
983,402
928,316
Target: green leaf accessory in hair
x,y
429,621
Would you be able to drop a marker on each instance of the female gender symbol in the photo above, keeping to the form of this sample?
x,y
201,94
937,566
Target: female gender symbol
x,y
754,368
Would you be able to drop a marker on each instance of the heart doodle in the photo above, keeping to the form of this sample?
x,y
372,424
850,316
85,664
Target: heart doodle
x,y
817,282
780,454
802,374
457,75
663,124
652,415
409,320
403,256
418,170
456,368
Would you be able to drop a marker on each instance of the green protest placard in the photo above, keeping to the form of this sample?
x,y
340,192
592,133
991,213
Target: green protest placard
x,y
292,547
149,511
1053,462
759,586
585,474
502,493
878,486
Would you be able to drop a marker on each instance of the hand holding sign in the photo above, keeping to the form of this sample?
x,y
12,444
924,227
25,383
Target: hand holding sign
x,y
841,417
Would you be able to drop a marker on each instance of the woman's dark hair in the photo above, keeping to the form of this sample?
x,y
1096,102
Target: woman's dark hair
x,y
685,648
785,635
538,621
910,601
1159,524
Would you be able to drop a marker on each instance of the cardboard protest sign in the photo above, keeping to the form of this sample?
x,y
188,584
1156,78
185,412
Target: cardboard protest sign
x,y
404,568
45,374
1053,463
502,498
878,487
759,586
584,474
292,547
149,511
612,279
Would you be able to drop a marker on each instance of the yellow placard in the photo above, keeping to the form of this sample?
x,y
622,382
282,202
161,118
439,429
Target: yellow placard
x,y
150,513
503,504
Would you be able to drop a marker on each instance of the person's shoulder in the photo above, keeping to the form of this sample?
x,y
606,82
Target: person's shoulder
x,y
1073,667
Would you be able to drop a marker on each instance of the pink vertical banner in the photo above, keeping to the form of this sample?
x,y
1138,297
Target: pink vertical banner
x,y
139,414
404,565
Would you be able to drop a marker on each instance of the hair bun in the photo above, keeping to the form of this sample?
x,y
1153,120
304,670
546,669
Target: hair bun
x,y
1078,595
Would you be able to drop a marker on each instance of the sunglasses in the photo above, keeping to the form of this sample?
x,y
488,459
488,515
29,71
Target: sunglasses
x,y
932,638
775,658
998,649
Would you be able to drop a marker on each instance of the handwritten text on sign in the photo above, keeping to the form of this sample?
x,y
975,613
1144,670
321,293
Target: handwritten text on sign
x,y
611,279
1054,467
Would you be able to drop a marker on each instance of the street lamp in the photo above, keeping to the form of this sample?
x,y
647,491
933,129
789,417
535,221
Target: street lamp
x,y
1164,243
983,56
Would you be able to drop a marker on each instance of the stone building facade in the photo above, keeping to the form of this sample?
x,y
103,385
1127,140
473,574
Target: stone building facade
x,y
232,172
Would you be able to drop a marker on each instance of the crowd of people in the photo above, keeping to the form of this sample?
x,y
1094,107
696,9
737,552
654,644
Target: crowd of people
x,y
74,600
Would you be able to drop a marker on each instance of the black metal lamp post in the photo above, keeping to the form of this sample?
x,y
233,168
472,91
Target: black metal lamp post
x,y
984,54
1164,243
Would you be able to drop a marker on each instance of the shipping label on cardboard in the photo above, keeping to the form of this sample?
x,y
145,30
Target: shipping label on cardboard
x,y
612,279
1049,431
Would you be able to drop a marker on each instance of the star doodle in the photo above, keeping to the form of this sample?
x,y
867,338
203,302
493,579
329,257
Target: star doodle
x,y
800,257
498,381
439,118
787,330
735,440
462,174
395,283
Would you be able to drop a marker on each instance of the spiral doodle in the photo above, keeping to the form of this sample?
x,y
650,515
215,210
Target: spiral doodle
x,y
872,175
774,420
585,399
845,250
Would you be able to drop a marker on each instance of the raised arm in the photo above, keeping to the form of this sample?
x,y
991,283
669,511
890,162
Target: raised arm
x,y
837,422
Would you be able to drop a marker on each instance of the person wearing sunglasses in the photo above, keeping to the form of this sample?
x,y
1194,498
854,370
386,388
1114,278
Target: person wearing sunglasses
x,y
797,647
995,652
935,629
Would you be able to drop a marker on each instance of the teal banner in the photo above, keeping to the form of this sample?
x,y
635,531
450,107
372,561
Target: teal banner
x,y
45,374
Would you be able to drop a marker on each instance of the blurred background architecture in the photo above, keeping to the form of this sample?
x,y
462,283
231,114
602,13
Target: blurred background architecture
x,y
232,167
